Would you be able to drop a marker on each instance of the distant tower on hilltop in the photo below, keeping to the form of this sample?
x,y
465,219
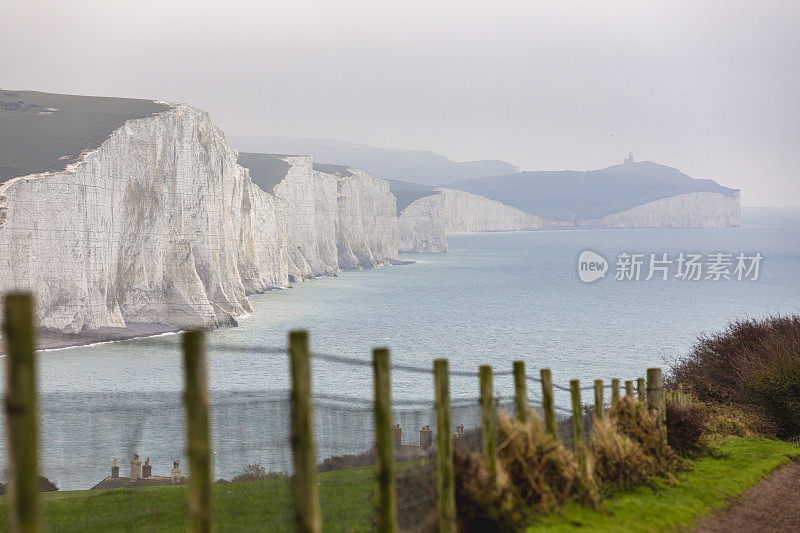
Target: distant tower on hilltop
x,y
629,159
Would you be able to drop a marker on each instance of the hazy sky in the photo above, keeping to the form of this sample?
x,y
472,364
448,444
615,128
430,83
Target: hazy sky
x,y
710,87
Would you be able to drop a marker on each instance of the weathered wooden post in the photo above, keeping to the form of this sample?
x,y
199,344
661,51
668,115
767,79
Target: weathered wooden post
x,y
198,434
599,402
520,391
629,389
615,391
384,442
641,389
655,398
306,496
577,423
488,431
548,403
444,448
22,496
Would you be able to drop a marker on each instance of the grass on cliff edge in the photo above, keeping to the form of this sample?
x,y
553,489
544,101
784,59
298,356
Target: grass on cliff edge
x,y
706,487
347,502
345,497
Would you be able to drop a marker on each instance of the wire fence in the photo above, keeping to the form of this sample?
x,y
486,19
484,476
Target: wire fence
x,y
123,441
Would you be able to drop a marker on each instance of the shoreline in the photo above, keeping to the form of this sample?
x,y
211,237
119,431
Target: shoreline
x,y
48,340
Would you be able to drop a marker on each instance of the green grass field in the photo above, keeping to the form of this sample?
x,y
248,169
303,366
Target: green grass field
x,y
706,487
347,501
345,496
34,139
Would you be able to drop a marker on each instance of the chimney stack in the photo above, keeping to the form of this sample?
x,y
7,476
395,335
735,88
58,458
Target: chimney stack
x,y
176,473
398,435
136,467
147,470
425,437
114,469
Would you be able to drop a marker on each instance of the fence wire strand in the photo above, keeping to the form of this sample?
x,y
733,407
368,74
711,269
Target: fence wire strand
x,y
83,433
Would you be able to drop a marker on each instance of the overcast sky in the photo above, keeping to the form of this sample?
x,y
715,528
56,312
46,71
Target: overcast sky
x,y
710,87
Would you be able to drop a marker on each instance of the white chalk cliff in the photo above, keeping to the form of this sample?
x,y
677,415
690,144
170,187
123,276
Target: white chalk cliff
x,y
425,223
312,219
691,210
161,224
336,221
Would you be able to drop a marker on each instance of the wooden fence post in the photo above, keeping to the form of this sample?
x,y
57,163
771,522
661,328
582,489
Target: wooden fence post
x,y
577,423
488,431
629,389
548,404
22,498
599,402
615,391
306,496
384,442
195,398
444,448
520,391
641,389
655,398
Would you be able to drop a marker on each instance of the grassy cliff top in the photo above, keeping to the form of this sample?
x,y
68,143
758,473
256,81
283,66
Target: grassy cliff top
x,y
407,193
584,195
266,170
44,132
419,166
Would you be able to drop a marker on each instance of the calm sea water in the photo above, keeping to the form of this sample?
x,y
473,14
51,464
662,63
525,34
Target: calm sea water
x,y
494,299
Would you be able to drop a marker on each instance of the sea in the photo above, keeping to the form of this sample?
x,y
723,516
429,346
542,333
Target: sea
x,y
493,299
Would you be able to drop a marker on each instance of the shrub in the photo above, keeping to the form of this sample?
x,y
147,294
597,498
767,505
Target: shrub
x,y
257,472
685,429
753,364
481,504
619,461
339,462
726,419
544,474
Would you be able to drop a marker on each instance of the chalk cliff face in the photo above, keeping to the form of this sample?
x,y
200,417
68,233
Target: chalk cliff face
x,y
466,213
345,220
368,226
694,210
311,219
425,222
423,227
159,224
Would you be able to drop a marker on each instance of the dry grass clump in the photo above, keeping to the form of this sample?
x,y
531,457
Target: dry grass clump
x,y
619,461
628,448
543,473
483,504
634,421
